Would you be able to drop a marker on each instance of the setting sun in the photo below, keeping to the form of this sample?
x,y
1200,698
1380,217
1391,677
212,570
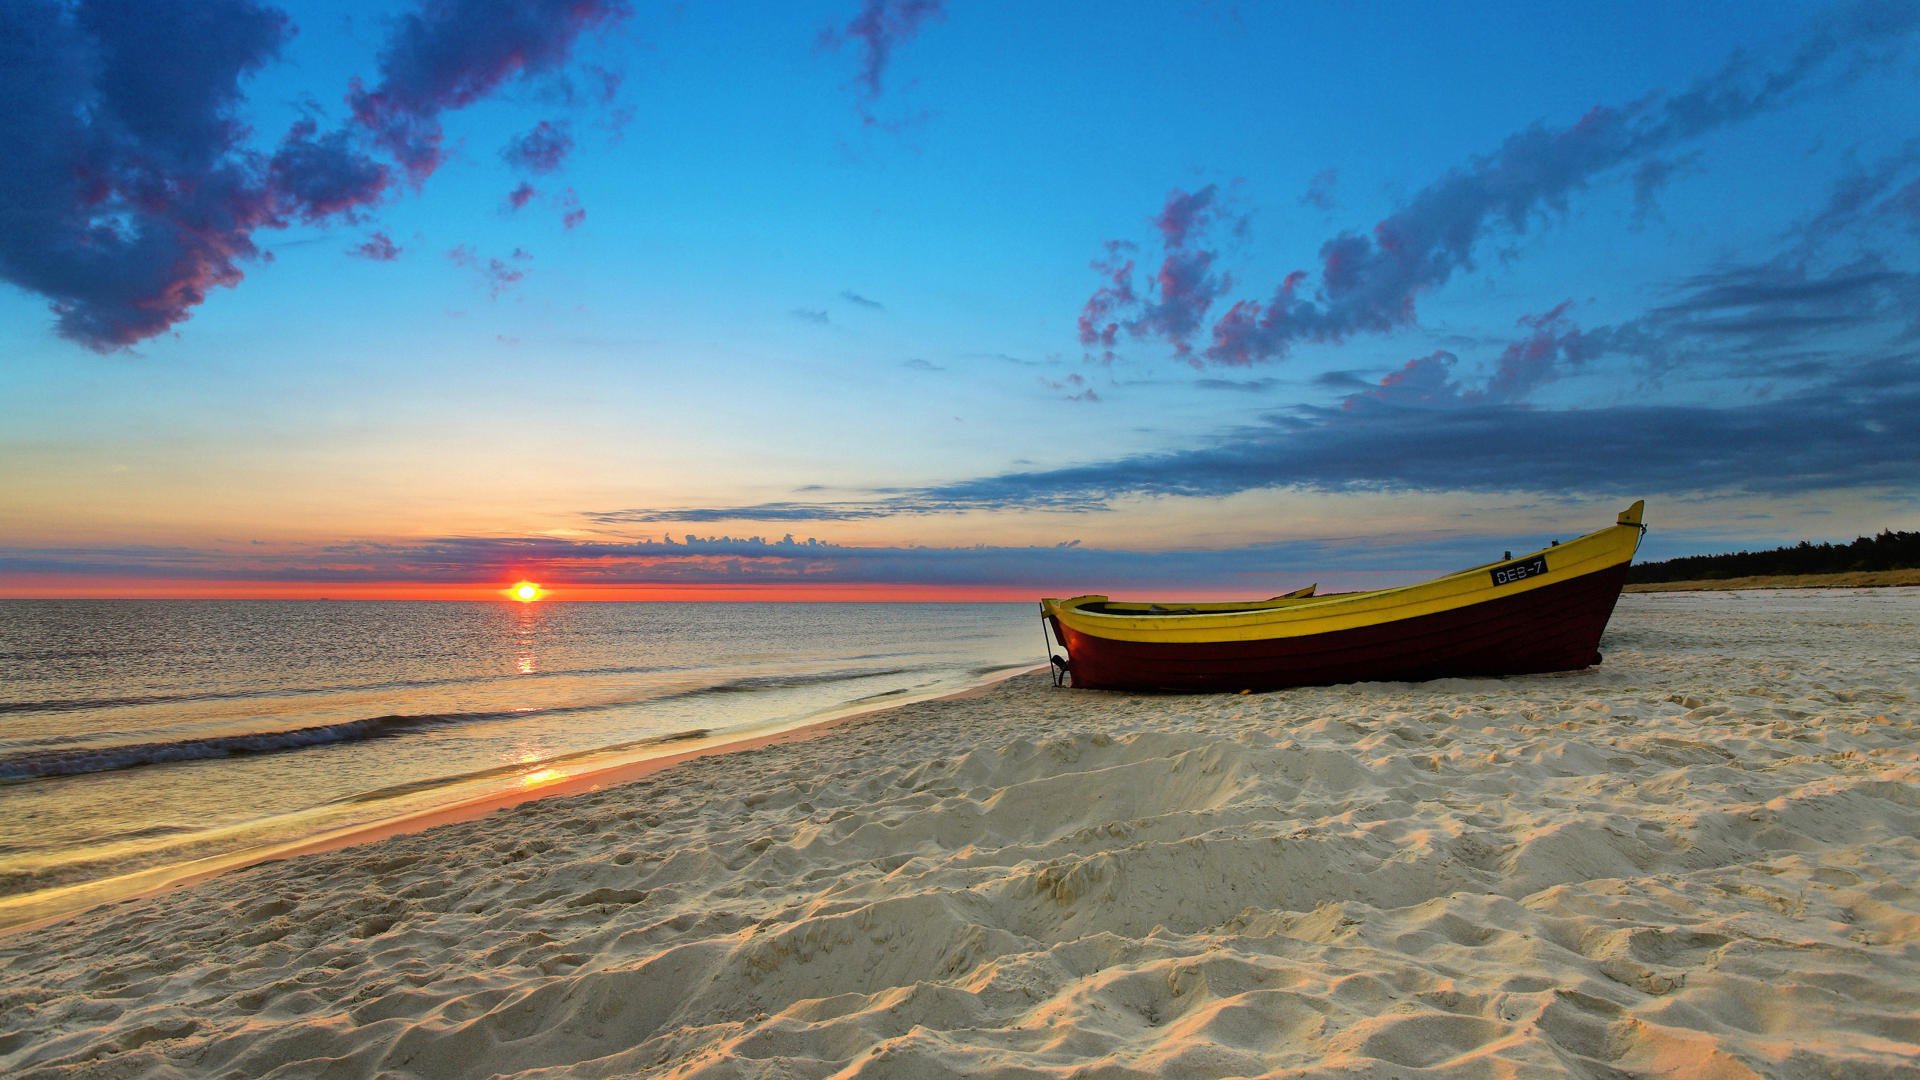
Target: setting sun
x,y
526,592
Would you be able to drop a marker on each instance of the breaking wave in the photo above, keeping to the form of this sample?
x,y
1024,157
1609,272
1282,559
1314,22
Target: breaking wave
x,y
78,761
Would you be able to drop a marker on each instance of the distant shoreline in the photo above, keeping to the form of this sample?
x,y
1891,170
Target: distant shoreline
x,y
1856,579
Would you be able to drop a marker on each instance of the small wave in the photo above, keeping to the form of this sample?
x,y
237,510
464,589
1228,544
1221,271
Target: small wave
x,y
46,764
753,684
995,669
79,704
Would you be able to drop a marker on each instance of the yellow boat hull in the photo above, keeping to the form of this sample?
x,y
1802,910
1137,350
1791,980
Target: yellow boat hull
x,y
1544,611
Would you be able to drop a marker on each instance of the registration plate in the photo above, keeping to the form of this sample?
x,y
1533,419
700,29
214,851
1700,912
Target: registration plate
x,y
1519,571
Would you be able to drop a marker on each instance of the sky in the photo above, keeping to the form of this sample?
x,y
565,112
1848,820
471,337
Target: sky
x,y
913,299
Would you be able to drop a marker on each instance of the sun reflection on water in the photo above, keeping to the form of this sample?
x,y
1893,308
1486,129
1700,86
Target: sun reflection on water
x,y
542,777
526,633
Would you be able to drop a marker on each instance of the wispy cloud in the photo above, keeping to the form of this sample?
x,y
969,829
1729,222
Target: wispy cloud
x,y
875,31
498,275
1242,386
1073,386
1320,190
378,247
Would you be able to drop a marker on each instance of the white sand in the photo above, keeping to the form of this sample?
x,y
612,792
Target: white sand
x,y
1700,859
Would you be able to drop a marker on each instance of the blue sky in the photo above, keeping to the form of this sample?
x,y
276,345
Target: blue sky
x,y
993,297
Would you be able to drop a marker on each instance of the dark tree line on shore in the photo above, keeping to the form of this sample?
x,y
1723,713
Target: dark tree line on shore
x,y
1889,550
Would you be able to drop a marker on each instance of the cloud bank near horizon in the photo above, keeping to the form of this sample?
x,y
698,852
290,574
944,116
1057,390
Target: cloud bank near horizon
x,y
1253,570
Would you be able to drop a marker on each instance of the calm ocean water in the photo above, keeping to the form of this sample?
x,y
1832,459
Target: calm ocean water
x,y
145,735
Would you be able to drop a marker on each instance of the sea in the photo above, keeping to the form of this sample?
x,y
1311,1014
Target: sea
x,y
142,742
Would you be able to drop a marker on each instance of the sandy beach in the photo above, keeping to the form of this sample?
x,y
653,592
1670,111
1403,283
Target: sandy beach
x,y
1701,858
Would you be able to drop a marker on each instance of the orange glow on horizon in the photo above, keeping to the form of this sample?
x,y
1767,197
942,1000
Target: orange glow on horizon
x,y
526,592
90,587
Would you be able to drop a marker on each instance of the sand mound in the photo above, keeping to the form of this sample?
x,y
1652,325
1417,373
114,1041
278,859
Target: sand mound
x,y
1700,859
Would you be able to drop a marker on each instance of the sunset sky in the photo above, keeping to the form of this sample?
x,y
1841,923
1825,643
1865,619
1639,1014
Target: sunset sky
x,y
908,298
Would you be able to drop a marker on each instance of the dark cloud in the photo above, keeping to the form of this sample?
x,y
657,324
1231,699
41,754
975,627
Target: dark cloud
x,y
451,53
124,197
1244,386
542,150
1785,303
1423,382
1369,283
857,300
1340,380
1871,198
1652,176
521,195
817,316
1853,433
880,27
1852,423
130,189
322,176
918,364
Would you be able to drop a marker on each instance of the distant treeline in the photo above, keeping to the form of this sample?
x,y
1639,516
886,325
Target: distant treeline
x,y
1888,551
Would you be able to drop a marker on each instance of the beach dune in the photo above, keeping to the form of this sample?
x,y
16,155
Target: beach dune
x,y
1701,858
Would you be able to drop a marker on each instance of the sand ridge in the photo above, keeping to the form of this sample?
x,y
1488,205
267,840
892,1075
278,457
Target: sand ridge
x,y
1698,859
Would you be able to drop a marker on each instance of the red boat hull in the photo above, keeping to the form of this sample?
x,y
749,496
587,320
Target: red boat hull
x,y
1552,628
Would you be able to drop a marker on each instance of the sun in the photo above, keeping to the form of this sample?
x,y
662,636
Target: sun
x,y
526,592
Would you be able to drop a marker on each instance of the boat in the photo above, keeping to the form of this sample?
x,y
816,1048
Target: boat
x,y
1544,611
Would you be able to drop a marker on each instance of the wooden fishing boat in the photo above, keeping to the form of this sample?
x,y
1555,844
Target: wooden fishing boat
x,y
1543,611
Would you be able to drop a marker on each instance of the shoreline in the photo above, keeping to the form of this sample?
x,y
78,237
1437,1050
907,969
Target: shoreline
x,y
153,881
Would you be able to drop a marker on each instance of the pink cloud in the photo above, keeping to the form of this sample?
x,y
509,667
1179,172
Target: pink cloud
x,y
378,247
1181,291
